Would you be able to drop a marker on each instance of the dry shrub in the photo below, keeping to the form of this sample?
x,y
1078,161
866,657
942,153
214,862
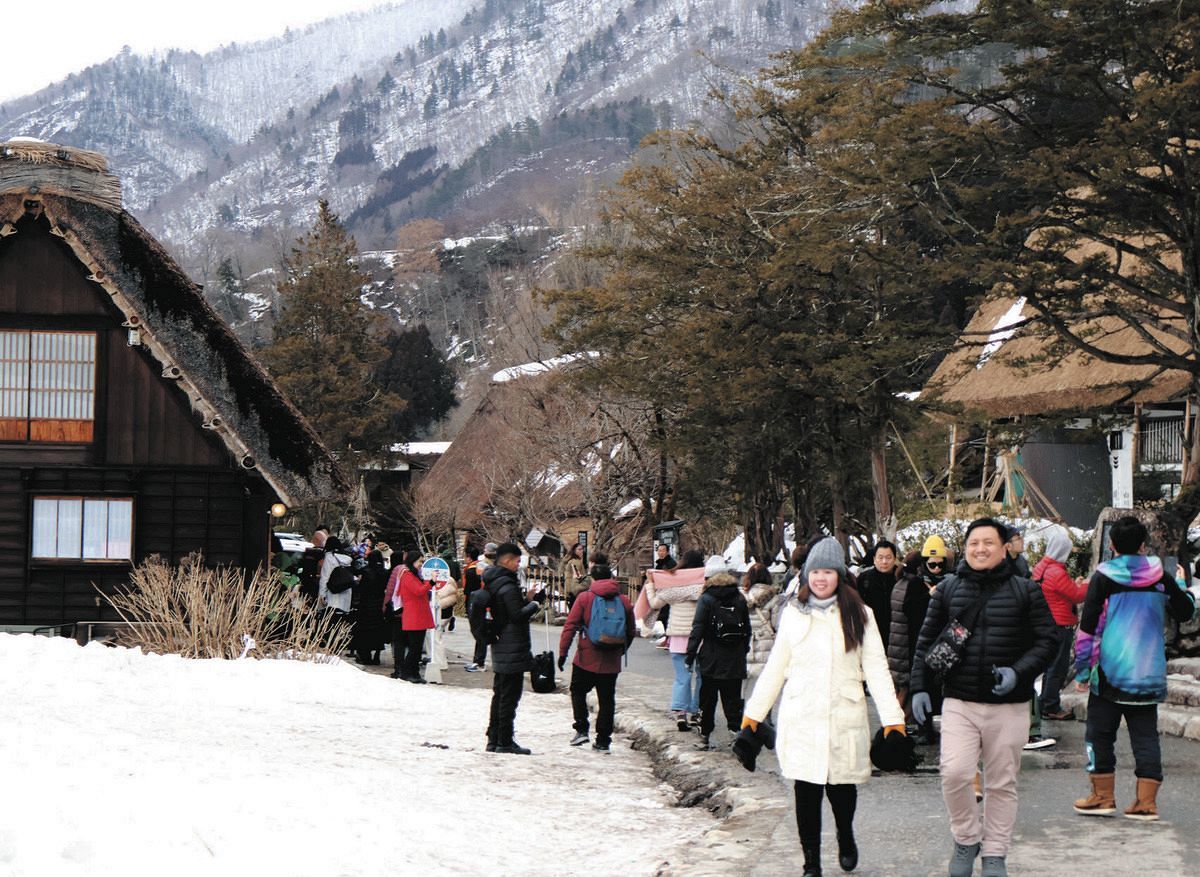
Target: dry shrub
x,y
198,612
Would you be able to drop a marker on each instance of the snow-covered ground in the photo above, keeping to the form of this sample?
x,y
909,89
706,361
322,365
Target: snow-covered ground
x,y
119,762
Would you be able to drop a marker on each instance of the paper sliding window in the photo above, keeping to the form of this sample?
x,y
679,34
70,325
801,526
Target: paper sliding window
x,y
47,386
82,528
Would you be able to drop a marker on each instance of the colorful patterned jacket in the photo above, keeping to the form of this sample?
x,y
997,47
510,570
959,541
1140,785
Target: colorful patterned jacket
x,y
1120,649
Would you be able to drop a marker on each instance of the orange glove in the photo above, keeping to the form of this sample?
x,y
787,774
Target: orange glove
x,y
887,729
750,723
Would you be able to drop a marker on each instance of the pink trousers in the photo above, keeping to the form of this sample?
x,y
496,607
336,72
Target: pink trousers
x,y
994,733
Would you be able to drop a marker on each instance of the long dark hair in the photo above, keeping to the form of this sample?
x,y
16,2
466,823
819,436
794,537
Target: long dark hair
x,y
693,558
851,608
410,561
757,574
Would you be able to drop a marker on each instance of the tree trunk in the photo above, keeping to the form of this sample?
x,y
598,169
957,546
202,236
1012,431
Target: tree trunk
x,y
838,503
885,519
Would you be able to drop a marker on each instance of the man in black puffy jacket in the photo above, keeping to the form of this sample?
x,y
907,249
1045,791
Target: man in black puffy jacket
x,y
986,709
512,653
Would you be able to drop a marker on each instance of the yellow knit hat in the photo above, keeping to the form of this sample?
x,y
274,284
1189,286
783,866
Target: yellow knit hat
x,y
934,546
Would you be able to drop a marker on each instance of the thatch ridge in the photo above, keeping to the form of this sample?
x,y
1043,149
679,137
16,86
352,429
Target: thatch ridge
x,y
1018,378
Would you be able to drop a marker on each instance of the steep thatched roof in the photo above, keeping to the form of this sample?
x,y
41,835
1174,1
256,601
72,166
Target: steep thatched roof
x,y
80,199
1005,372
498,449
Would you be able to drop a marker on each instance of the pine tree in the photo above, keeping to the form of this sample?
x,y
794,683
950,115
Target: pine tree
x,y
416,371
324,355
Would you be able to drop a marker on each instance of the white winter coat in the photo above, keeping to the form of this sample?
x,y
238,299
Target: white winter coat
x,y
823,735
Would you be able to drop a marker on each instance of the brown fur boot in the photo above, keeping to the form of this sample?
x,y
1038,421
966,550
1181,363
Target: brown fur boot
x,y
1102,801
1145,808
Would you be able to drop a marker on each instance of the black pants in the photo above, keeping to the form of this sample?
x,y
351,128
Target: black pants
x,y
397,645
583,681
730,692
480,656
1056,673
506,694
1103,720
414,641
843,799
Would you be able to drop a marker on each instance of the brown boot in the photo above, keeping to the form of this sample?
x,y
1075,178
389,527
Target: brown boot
x,y
1145,808
1102,801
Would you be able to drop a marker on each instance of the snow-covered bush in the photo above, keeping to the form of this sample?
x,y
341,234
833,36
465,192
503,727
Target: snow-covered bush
x,y
198,612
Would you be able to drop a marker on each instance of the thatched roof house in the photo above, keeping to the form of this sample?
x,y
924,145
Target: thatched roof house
x,y
71,191
1004,368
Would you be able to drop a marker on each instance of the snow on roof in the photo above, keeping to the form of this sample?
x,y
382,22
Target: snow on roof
x,y
1001,332
534,368
421,449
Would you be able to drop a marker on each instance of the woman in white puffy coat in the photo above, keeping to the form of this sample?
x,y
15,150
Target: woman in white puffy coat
x,y
826,647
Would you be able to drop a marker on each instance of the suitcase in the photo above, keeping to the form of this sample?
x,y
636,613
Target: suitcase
x,y
542,673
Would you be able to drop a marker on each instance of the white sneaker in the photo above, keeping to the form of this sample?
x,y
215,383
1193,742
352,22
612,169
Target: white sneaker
x,y
473,668
1038,742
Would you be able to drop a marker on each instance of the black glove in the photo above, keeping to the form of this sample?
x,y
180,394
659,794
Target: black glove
x,y
689,661
562,662
540,596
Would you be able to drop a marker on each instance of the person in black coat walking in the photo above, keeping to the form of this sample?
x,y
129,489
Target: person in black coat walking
x,y
719,642
370,632
876,583
512,653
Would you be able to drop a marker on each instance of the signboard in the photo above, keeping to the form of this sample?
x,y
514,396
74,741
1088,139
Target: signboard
x,y
583,543
435,570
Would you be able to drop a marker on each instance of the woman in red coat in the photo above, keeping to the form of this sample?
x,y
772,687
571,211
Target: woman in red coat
x,y
411,595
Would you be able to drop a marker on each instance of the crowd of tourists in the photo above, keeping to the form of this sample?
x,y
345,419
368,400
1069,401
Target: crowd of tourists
x,y
950,650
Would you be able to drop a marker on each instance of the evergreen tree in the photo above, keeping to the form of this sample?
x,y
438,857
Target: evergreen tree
x,y
324,355
416,371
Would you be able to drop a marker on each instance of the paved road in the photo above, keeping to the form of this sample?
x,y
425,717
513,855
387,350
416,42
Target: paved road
x,y
901,821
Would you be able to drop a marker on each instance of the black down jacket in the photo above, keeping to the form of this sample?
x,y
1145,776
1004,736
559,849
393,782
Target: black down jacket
x,y
715,658
1015,629
512,652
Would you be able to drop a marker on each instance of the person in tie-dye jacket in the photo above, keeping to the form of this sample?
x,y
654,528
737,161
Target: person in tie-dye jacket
x,y
1120,657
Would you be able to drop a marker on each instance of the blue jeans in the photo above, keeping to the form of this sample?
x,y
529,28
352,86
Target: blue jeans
x,y
685,693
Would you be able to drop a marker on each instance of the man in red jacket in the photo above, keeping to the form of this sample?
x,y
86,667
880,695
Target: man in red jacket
x,y
1062,595
595,665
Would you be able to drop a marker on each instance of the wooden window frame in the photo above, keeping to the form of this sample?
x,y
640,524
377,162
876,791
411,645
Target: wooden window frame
x,y
71,560
52,431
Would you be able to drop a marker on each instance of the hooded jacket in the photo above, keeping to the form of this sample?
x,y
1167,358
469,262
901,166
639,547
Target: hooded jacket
x,y
1062,592
1120,649
588,656
715,658
513,651
1013,629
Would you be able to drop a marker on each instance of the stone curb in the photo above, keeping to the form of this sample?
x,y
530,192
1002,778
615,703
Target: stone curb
x,y
753,810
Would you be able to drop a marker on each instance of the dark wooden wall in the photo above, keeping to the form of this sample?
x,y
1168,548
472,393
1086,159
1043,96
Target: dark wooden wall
x,y
189,493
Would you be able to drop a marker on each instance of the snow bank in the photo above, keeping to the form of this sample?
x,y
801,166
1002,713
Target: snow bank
x,y
119,762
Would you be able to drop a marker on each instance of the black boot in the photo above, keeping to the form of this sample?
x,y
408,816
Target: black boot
x,y
847,851
812,861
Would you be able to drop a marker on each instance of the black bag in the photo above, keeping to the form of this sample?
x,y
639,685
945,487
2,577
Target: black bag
x,y
341,579
946,651
542,673
729,625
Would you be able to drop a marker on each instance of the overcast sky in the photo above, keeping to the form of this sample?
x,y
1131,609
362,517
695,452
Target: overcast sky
x,y
44,43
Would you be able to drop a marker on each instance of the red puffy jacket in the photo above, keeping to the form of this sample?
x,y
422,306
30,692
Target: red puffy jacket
x,y
1062,592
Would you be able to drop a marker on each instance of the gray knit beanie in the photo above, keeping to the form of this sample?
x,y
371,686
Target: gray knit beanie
x,y
826,554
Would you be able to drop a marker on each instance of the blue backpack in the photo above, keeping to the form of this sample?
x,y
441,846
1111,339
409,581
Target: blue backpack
x,y
606,627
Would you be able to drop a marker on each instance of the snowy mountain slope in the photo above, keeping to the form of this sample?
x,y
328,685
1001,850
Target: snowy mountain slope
x,y
249,136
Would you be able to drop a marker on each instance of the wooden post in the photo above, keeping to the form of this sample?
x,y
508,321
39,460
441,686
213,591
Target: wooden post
x,y
987,453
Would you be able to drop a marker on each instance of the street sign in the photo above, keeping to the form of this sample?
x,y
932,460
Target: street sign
x,y
435,570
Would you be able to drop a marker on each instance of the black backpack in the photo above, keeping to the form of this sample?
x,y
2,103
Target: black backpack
x,y
482,616
341,579
728,624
